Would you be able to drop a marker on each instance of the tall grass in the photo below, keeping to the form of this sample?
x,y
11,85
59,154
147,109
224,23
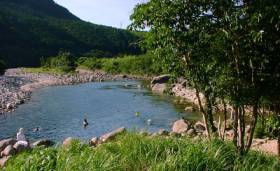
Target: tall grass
x,y
136,152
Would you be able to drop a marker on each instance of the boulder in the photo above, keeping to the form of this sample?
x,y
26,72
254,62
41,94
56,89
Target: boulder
x,y
189,109
4,160
8,151
9,106
94,141
159,88
191,132
160,79
199,127
163,132
67,142
19,147
180,126
112,134
6,142
43,142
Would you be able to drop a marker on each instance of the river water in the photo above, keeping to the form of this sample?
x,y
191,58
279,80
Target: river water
x,y
59,111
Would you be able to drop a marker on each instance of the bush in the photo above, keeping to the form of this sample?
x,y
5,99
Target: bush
x,y
268,127
136,65
63,61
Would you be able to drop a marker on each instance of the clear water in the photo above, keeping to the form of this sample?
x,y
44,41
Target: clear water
x,y
59,111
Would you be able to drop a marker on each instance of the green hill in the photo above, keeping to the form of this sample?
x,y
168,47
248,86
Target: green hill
x,y
32,29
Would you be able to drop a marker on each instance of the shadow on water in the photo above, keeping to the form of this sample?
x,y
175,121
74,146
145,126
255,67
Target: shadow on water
x,y
60,111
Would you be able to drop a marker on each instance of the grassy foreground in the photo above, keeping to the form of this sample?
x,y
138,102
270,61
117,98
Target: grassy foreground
x,y
136,152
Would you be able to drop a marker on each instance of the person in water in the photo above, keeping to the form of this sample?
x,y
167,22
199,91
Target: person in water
x,y
21,139
85,123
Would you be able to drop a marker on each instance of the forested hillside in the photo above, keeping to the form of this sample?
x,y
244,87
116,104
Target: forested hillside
x,y
32,29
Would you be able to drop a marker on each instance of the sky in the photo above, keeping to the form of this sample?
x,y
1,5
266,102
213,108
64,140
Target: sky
x,y
105,12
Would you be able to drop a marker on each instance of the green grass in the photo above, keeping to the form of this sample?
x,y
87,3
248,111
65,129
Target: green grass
x,y
136,152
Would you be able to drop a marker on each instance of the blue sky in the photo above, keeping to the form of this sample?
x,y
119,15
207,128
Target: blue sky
x,y
106,12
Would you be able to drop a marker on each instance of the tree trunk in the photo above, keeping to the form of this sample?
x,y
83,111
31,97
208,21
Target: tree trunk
x,y
210,113
252,128
203,113
225,118
278,142
235,127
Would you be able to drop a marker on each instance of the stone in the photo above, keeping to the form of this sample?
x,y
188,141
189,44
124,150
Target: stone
x,y
199,127
9,106
4,160
189,109
191,132
159,88
160,79
112,134
67,142
43,142
94,141
229,134
163,132
180,126
6,142
8,151
19,147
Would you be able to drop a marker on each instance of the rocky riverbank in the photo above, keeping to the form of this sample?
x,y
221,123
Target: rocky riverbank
x,y
17,85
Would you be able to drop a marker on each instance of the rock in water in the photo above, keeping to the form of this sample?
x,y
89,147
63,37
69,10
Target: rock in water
x,y
19,147
94,141
112,134
43,142
160,79
180,126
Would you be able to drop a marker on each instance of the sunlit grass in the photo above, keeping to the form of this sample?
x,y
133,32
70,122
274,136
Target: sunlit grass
x,y
41,70
137,152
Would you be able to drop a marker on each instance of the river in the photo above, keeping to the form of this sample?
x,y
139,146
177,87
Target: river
x,y
59,111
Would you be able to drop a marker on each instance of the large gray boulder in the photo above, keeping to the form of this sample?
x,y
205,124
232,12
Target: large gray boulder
x,y
8,151
160,79
19,147
6,142
43,143
113,134
180,126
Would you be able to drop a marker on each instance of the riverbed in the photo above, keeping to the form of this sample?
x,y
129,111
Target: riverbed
x,y
58,111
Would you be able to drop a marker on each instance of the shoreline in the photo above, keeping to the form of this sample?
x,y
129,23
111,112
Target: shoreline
x,y
16,86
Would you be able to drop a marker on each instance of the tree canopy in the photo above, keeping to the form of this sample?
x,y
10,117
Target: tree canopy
x,y
228,50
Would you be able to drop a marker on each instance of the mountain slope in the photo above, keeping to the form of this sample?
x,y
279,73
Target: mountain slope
x,y
32,29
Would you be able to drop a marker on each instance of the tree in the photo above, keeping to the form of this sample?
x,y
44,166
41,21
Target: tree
x,y
216,45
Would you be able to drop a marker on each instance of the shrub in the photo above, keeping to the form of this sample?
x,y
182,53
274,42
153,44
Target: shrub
x,y
63,61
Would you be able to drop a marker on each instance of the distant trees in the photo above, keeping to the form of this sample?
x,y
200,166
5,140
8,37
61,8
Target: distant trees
x,y
228,50
31,29
64,61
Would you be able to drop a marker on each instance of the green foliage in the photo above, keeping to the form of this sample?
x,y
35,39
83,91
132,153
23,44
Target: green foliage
x,y
136,152
137,65
228,50
63,61
268,127
32,29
